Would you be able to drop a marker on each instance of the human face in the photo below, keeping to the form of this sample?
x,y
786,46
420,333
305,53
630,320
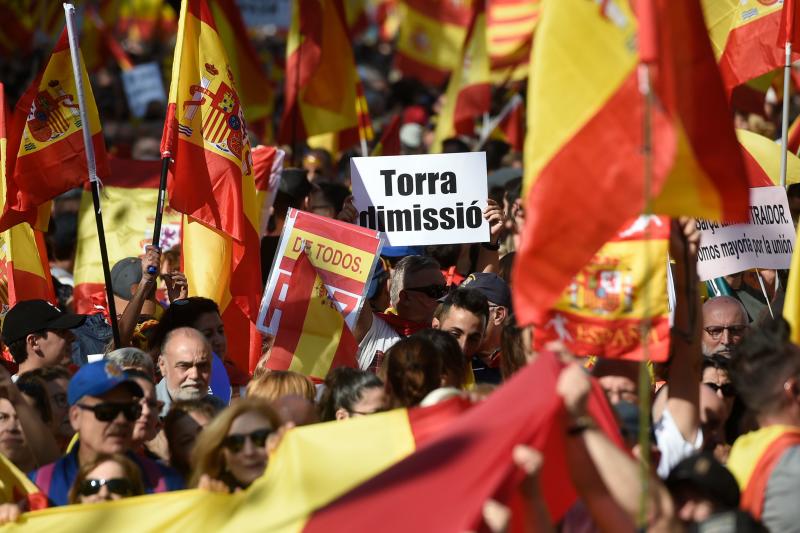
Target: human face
x,y
720,382
247,464
97,436
183,437
713,415
57,391
418,306
146,426
12,440
619,389
372,400
724,326
55,347
186,365
211,326
104,471
466,327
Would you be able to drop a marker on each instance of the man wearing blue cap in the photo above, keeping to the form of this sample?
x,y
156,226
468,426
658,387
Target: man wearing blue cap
x,y
486,362
104,405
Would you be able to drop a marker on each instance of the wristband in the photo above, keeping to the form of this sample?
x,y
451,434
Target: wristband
x,y
580,424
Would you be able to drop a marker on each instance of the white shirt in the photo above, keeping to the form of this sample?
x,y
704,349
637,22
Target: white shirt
x,y
380,337
673,447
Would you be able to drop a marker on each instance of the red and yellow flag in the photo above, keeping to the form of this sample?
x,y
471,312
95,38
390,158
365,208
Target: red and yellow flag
x,y
510,27
213,185
47,140
24,269
313,337
432,33
584,173
469,92
789,30
323,92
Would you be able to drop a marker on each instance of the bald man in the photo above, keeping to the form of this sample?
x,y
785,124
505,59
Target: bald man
x,y
724,325
185,363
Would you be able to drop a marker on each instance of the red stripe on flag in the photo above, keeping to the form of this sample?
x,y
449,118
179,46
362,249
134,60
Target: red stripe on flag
x,y
415,69
750,51
442,11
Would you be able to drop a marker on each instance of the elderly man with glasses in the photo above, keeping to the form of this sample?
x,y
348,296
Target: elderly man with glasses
x,y
724,325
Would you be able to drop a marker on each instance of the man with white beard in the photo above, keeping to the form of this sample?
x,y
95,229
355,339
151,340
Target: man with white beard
x,y
725,324
185,363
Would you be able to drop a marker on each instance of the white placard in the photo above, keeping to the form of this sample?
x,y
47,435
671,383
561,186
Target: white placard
x,y
766,242
258,13
143,84
422,199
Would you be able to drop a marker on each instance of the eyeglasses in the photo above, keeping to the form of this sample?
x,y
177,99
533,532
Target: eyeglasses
x,y
106,412
736,331
116,485
431,291
235,442
726,388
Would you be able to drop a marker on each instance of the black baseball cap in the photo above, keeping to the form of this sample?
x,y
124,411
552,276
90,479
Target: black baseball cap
x,y
703,473
30,316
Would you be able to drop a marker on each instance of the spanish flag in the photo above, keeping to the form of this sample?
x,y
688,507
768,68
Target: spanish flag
x,y
762,159
15,486
206,135
313,337
469,92
129,194
584,173
322,88
24,269
421,469
47,139
432,34
791,306
510,27
789,30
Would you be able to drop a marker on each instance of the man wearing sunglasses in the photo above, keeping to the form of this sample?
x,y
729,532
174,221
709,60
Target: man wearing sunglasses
x,y
104,405
725,324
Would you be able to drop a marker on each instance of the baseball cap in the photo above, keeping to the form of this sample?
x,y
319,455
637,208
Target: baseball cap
x,y
30,316
491,285
706,475
126,272
378,277
402,251
96,379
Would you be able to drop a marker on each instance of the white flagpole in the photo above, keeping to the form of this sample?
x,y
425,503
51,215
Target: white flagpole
x,y
787,66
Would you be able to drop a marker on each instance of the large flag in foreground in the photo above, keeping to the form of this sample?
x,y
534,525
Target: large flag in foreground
x,y
364,474
47,140
24,269
791,306
213,185
584,165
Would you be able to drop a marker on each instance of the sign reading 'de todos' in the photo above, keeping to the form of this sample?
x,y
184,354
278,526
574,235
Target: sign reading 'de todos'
x,y
766,242
422,199
343,254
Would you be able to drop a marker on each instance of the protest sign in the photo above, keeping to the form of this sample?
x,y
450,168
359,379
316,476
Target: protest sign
x,y
266,13
344,255
143,84
603,310
422,199
766,241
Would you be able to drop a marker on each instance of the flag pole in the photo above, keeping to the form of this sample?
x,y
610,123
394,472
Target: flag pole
x,y
69,12
787,66
162,189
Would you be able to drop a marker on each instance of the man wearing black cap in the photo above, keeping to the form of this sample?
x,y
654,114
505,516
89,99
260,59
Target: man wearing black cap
x,y
486,363
104,405
38,334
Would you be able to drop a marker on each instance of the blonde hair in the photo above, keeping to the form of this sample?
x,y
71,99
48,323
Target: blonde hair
x,y
207,456
130,468
279,383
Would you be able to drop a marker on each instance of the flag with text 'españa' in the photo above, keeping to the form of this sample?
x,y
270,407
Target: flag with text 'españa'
x,y
129,199
743,34
432,33
604,309
584,168
322,87
46,139
510,27
313,337
366,473
469,91
24,268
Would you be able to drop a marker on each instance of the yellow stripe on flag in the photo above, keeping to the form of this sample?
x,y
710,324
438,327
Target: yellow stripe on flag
x,y
317,243
767,154
791,306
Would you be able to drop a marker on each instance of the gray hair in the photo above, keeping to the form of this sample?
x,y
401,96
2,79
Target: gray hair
x,y
130,357
411,264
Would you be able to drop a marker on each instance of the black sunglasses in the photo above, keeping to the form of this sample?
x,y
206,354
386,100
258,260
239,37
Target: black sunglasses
x,y
106,412
431,291
117,485
235,442
727,389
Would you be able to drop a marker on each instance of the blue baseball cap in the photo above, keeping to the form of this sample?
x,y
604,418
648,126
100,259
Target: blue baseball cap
x,y
378,277
96,379
402,251
491,285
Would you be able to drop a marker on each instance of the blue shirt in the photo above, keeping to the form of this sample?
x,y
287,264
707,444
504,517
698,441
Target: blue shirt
x,y
62,473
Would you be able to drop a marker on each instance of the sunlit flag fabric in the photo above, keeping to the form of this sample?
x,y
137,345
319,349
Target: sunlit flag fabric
x,y
791,306
584,165
212,179
510,27
24,269
431,36
321,84
47,140
441,462
762,159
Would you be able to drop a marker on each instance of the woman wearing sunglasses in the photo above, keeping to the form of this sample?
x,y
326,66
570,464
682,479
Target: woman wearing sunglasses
x,y
109,477
234,448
